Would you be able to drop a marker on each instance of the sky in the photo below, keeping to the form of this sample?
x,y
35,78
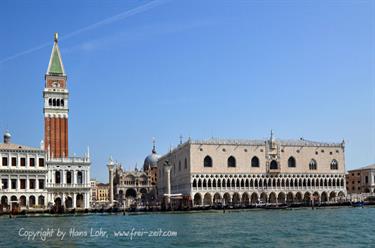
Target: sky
x,y
200,69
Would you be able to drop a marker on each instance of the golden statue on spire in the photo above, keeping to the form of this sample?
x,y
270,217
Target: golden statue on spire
x,y
56,37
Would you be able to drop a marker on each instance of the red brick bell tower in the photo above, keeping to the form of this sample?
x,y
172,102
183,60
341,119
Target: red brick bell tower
x,y
56,109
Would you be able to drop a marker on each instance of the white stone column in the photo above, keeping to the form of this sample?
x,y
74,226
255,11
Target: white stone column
x,y
18,161
62,172
168,169
74,177
49,177
36,185
88,182
110,170
18,186
86,200
74,200
63,199
27,183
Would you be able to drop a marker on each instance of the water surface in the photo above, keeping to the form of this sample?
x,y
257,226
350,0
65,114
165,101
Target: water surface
x,y
335,227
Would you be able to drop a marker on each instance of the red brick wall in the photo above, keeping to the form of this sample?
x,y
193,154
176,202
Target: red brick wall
x,y
56,136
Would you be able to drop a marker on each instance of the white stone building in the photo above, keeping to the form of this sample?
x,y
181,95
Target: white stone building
x,y
23,174
69,182
214,171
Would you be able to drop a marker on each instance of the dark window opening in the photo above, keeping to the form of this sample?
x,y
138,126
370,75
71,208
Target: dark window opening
x,y
291,162
273,165
14,161
5,161
255,162
207,161
231,162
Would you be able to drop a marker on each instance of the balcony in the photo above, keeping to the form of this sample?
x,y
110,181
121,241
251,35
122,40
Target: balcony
x,y
70,160
68,186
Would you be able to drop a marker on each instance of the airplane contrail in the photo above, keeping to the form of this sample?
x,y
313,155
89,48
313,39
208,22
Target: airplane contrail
x,y
118,17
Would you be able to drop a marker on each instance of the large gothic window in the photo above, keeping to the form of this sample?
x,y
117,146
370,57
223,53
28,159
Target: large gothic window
x,y
231,162
334,165
207,161
273,165
313,165
255,162
291,162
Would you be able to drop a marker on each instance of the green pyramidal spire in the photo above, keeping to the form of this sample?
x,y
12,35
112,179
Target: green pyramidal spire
x,y
55,66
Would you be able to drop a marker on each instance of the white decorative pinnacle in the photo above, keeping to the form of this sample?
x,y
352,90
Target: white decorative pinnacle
x,y
88,152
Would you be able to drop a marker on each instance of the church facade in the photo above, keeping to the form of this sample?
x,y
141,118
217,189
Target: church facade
x,y
136,187
244,172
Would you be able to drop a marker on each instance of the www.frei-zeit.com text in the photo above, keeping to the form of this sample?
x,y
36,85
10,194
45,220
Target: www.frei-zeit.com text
x,y
74,233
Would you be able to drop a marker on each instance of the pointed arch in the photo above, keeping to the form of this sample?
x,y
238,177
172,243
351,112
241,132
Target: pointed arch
x,y
207,199
207,161
291,162
313,164
217,198
281,198
231,162
245,198
289,197
334,165
274,165
254,198
255,161
197,199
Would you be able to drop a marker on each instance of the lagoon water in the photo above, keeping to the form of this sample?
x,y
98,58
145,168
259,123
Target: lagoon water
x,y
334,227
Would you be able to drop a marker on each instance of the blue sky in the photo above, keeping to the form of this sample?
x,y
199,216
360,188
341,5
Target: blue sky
x,y
200,69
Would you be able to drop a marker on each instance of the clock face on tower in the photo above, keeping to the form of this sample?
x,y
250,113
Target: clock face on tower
x,y
55,84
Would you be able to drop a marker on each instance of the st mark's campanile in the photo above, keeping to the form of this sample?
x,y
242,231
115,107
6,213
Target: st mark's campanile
x,y
56,108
